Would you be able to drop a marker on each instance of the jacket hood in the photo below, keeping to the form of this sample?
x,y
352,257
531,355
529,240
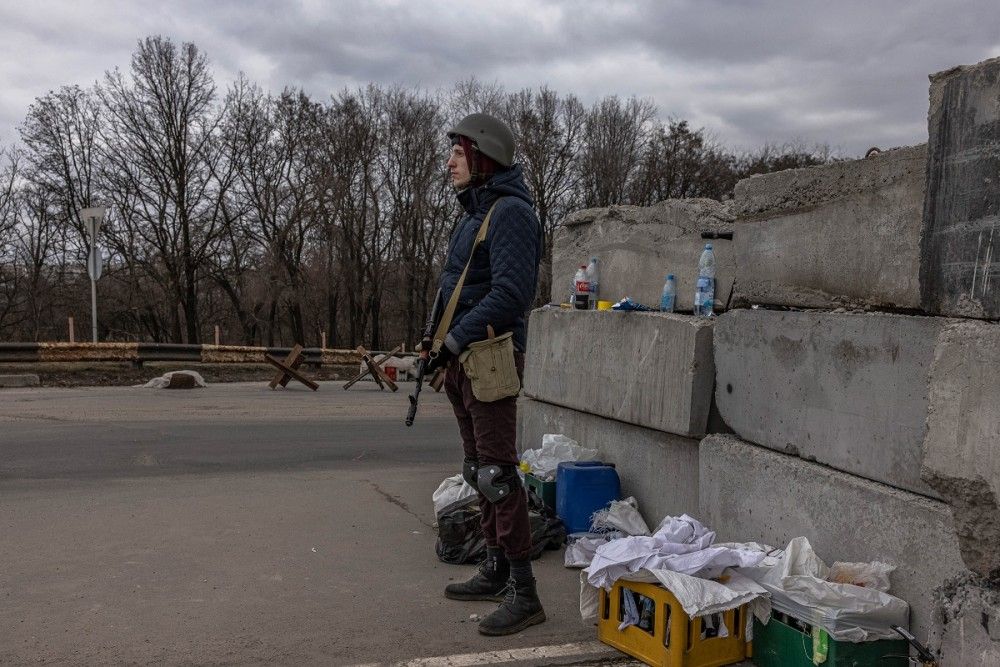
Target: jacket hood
x,y
509,183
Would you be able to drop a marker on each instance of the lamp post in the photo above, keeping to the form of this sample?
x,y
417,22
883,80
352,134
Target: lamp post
x,y
92,219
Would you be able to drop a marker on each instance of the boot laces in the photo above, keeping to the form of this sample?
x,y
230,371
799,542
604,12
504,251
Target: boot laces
x,y
510,593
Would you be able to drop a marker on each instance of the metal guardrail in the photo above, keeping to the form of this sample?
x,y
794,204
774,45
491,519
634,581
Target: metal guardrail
x,y
137,353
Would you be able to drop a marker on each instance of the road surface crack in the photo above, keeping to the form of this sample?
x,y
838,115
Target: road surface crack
x,y
395,500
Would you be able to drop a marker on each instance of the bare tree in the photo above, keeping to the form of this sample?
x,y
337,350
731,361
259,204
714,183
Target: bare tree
x,y
549,132
678,163
416,198
162,158
276,145
613,141
12,293
353,131
60,133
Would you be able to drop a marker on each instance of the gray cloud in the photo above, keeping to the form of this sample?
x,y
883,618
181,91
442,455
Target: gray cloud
x,y
850,74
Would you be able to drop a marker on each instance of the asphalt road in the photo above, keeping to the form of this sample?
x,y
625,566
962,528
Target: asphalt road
x,y
113,431
235,525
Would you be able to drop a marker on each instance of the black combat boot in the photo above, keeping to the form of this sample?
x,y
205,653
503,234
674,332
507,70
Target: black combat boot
x,y
487,584
520,609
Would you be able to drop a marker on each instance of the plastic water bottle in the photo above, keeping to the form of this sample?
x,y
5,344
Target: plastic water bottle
x,y
669,295
581,299
704,296
594,278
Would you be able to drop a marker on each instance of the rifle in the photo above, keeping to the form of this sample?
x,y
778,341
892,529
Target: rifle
x,y
429,328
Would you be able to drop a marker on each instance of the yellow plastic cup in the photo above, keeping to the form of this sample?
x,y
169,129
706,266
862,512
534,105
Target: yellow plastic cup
x,y
604,305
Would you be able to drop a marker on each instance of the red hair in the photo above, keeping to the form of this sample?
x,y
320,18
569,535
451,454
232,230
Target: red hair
x,y
481,166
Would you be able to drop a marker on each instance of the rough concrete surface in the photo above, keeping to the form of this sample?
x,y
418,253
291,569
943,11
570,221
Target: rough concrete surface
x,y
649,369
960,250
848,390
18,380
752,493
961,458
841,234
659,469
972,623
639,245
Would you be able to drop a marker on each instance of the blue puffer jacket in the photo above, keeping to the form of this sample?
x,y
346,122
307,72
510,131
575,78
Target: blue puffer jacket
x,y
503,276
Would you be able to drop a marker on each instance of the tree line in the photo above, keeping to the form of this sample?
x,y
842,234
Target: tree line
x,y
281,216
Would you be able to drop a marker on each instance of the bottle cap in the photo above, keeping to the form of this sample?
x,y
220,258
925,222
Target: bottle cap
x,y
708,246
593,259
670,276
583,266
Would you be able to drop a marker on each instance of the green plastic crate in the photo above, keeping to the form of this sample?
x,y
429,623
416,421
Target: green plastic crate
x,y
778,644
545,490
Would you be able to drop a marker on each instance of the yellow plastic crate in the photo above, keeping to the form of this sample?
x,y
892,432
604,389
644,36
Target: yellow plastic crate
x,y
666,636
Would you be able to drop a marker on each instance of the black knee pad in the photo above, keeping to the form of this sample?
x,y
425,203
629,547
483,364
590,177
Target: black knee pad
x,y
469,469
498,482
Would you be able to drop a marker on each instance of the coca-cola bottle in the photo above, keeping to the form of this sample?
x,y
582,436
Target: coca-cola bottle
x,y
582,296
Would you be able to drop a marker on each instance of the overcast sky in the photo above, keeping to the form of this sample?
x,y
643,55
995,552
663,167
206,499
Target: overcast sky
x,y
849,74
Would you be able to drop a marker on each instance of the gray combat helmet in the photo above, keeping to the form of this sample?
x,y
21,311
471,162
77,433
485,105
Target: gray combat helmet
x,y
490,134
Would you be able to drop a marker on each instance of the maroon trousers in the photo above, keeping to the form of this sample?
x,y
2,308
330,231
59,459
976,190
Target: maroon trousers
x,y
489,434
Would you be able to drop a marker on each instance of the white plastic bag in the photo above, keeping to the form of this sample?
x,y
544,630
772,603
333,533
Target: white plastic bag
x,y
450,491
162,381
555,449
620,515
798,586
870,575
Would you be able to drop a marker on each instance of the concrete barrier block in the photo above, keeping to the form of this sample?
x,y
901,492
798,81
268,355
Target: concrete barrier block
x,y
960,250
841,234
659,469
19,380
752,493
849,390
961,458
639,245
649,369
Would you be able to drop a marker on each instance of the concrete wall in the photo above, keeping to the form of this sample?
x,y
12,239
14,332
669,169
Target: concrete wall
x,y
659,469
842,234
961,243
648,369
639,246
846,390
752,493
962,447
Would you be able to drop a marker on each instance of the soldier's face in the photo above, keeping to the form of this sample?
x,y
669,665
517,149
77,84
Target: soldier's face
x,y
458,167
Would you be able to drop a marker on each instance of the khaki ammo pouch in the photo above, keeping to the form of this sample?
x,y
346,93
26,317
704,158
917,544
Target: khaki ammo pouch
x,y
489,365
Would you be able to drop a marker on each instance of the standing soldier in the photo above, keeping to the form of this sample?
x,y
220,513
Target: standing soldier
x,y
493,261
